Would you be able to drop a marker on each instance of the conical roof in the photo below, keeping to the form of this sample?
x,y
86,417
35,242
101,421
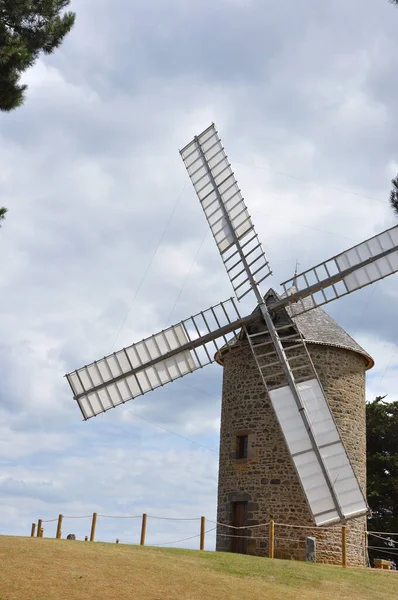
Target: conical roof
x,y
317,327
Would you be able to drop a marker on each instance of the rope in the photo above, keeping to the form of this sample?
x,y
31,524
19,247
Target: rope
x,y
242,537
183,540
174,519
385,551
381,532
119,517
82,517
300,526
382,538
289,540
233,526
50,520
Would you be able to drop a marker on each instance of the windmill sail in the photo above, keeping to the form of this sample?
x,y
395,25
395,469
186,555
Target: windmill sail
x,y
328,480
347,272
312,437
217,189
154,361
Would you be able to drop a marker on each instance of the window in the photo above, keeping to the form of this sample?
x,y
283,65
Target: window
x,y
241,446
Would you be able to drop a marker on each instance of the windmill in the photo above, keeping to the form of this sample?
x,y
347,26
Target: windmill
x,y
290,379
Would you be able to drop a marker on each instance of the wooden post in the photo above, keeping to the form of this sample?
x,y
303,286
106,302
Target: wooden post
x,y
59,528
39,522
93,526
117,541
86,538
41,532
202,532
271,549
344,546
143,530
33,530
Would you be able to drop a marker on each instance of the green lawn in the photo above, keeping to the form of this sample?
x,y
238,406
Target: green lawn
x,y
48,569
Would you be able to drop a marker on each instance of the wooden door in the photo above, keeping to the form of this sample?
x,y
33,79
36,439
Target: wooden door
x,y
239,542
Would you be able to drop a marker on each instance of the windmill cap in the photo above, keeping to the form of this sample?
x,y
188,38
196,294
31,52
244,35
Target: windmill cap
x,y
316,327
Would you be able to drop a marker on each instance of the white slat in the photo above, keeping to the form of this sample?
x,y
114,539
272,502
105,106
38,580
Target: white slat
x,y
218,191
343,274
333,455
146,365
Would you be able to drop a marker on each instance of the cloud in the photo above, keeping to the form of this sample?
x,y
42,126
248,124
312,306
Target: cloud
x,y
105,242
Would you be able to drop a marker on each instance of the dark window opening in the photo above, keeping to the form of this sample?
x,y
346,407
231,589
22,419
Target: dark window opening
x,y
241,446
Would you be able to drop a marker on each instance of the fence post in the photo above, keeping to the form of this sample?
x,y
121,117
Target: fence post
x,y
33,530
271,549
344,546
117,541
41,532
93,526
39,523
86,538
59,526
143,530
202,532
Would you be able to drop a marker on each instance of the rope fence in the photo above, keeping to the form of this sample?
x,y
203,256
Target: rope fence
x,y
273,536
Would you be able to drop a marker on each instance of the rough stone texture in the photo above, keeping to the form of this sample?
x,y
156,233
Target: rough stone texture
x,y
267,479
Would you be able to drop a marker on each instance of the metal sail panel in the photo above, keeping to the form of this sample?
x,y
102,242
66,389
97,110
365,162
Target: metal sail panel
x,y
322,464
154,361
336,494
351,270
225,209
341,473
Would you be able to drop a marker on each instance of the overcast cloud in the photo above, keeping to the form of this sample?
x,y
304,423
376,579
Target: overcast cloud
x,y
105,242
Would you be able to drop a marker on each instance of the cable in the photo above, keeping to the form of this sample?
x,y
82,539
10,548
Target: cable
x,y
148,267
301,225
388,366
187,277
172,432
321,185
194,387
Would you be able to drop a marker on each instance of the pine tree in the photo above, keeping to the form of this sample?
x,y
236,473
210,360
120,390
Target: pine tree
x,y
382,475
394,191
2,214
27,27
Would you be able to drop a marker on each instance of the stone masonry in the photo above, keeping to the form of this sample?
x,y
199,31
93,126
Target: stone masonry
x,y
266,479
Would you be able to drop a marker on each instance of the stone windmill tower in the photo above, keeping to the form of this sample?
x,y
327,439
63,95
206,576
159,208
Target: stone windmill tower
x,y
293,417
257,480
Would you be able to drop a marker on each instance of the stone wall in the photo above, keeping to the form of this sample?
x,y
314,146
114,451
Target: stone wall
x,y
267,479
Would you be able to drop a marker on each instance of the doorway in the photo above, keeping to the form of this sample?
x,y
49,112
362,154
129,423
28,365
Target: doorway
x,y
239,518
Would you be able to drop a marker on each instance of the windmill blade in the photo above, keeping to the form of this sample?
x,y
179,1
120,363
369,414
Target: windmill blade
x,y
217,189
347,272
312,437
154,361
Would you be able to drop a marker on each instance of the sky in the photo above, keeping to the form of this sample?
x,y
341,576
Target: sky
x,y
105,241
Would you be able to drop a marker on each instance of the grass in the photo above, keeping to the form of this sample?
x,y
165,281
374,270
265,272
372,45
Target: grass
x,y
45,569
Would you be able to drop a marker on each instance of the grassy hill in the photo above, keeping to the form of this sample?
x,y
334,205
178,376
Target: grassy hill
x,y
44,569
